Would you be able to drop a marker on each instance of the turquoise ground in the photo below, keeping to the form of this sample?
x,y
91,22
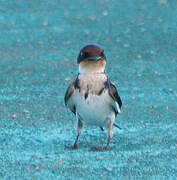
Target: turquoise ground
x,y
39,44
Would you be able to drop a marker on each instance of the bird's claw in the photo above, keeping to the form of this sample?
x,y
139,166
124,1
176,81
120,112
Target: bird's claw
x,y
107,148
75,146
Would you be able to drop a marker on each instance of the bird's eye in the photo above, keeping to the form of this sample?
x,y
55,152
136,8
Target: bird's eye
x,y
102,54
86,54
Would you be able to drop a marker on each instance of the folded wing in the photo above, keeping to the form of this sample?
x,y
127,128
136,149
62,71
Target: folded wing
x,y
68,98
115,96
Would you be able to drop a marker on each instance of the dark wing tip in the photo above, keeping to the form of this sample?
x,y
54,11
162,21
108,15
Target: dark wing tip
x,y
116,95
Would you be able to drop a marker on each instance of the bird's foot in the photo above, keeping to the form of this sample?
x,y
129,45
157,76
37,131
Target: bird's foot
x,y
75,146
107,148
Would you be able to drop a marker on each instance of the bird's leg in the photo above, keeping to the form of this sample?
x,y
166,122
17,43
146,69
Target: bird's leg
x,y
110,134
79,128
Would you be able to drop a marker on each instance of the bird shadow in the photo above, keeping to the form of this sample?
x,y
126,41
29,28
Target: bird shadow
x,y
93,148
101,149
95,143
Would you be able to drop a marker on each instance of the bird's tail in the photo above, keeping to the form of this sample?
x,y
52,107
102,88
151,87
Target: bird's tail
x,y
117,126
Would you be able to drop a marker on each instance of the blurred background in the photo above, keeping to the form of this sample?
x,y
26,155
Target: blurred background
x,y
39,44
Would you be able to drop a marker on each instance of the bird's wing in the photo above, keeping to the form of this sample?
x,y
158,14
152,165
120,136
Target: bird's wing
x,y
115,96
68,98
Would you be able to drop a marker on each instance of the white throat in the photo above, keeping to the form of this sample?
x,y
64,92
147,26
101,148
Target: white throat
x,y
84,70
89,68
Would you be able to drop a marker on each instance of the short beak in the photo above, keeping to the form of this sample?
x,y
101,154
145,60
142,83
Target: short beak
x,y
94,58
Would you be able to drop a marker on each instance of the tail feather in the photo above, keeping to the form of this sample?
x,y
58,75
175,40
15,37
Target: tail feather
x,y
117,126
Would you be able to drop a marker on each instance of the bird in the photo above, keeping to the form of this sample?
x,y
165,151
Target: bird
x,y
92,97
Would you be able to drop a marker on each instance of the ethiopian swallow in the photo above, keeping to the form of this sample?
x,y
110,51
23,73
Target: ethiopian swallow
x,y
92,97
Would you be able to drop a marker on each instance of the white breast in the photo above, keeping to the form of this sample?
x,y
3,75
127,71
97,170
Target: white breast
x,y
95,109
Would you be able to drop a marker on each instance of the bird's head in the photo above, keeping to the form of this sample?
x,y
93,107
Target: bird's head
x,y
91,59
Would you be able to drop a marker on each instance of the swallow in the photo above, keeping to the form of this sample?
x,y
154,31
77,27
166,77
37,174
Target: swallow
x,y
92,97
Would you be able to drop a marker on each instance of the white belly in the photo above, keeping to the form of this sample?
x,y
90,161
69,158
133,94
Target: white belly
x,y
94,110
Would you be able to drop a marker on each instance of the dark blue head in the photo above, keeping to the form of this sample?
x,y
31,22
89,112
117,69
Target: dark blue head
x,y
91,52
